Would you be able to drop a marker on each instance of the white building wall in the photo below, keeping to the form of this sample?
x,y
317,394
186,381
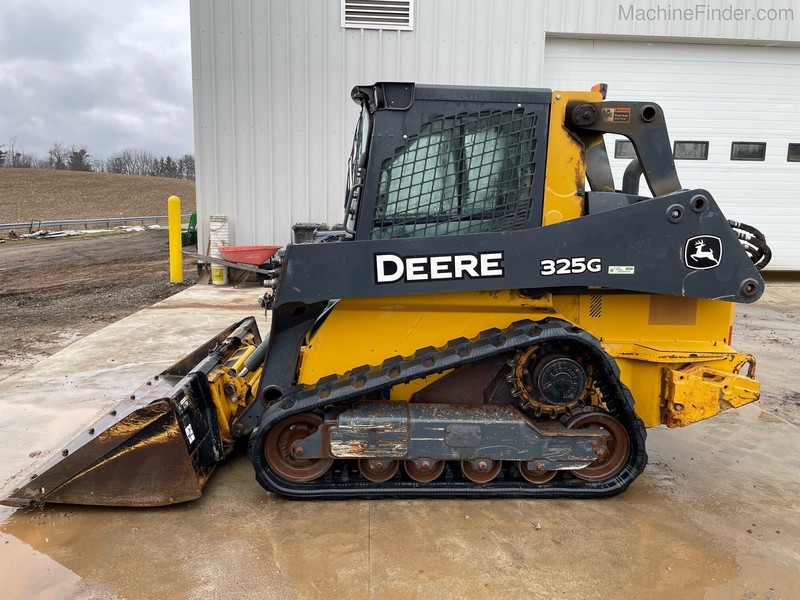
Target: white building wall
x,y
273,116
272,78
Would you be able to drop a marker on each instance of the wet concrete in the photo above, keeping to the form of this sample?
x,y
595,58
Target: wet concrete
x,y
715,515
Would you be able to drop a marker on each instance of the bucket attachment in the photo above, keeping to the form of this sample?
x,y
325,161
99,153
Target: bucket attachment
x,y
160,445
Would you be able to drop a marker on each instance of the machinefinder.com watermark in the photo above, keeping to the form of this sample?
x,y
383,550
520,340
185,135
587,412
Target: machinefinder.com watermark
x,y
702,12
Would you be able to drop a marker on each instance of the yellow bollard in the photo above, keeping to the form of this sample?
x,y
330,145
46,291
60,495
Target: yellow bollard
x,y
174,223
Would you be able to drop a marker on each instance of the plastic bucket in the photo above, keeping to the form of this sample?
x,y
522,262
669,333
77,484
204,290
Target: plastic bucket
x,y
219,275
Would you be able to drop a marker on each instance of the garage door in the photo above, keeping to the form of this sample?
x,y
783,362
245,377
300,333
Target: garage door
x,y
733,111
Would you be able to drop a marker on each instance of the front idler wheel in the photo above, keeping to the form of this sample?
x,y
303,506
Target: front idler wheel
x,y
286,458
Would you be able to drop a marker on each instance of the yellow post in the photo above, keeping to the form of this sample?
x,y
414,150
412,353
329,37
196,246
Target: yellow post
x,y
174,223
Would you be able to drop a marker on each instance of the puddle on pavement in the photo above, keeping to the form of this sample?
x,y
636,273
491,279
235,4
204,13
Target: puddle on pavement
x,y
27,574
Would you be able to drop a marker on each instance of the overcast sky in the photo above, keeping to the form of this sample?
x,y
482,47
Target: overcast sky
x,y
106,75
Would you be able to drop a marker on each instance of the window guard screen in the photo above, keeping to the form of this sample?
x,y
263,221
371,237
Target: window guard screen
x,y
469,173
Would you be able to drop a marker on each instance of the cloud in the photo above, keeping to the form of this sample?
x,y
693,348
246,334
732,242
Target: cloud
x,y
37,31
105,75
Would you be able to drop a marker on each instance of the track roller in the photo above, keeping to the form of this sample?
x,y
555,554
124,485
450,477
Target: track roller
x,y
424,470
481,470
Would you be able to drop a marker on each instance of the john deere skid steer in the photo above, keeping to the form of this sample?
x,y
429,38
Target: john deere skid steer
x,y
484,324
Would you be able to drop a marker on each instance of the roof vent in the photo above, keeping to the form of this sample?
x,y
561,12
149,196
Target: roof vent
x,y
378,14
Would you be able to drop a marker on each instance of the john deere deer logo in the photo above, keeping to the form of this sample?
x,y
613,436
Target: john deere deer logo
x,y
703,252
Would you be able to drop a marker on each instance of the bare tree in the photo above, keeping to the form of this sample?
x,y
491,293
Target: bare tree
x,y
115,164
25,160
131,161
39,162
186,166
58,156
11,156
141,161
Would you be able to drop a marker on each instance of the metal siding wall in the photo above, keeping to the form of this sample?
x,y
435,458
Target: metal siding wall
x,y
264,167
272,80
203,112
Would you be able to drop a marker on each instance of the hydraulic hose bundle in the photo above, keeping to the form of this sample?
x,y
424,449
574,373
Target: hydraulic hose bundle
x,y
753,242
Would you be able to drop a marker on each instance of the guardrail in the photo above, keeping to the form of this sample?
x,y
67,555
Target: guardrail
x,y
36,224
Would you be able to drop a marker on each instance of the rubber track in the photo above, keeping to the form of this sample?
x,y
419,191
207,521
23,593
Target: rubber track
x,y
347,482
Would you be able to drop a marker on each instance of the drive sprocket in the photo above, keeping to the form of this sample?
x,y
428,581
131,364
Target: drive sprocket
x,y
551,379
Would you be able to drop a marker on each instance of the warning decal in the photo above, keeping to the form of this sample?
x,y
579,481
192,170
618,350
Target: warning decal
x,y
617,115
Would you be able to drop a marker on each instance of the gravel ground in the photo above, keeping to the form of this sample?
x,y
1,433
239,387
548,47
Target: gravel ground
x,y
58,290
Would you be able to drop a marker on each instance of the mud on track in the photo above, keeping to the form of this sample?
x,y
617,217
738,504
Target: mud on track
x,y
54,291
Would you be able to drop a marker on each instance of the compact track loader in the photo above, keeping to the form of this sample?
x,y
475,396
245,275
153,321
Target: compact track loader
x,y
484,323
